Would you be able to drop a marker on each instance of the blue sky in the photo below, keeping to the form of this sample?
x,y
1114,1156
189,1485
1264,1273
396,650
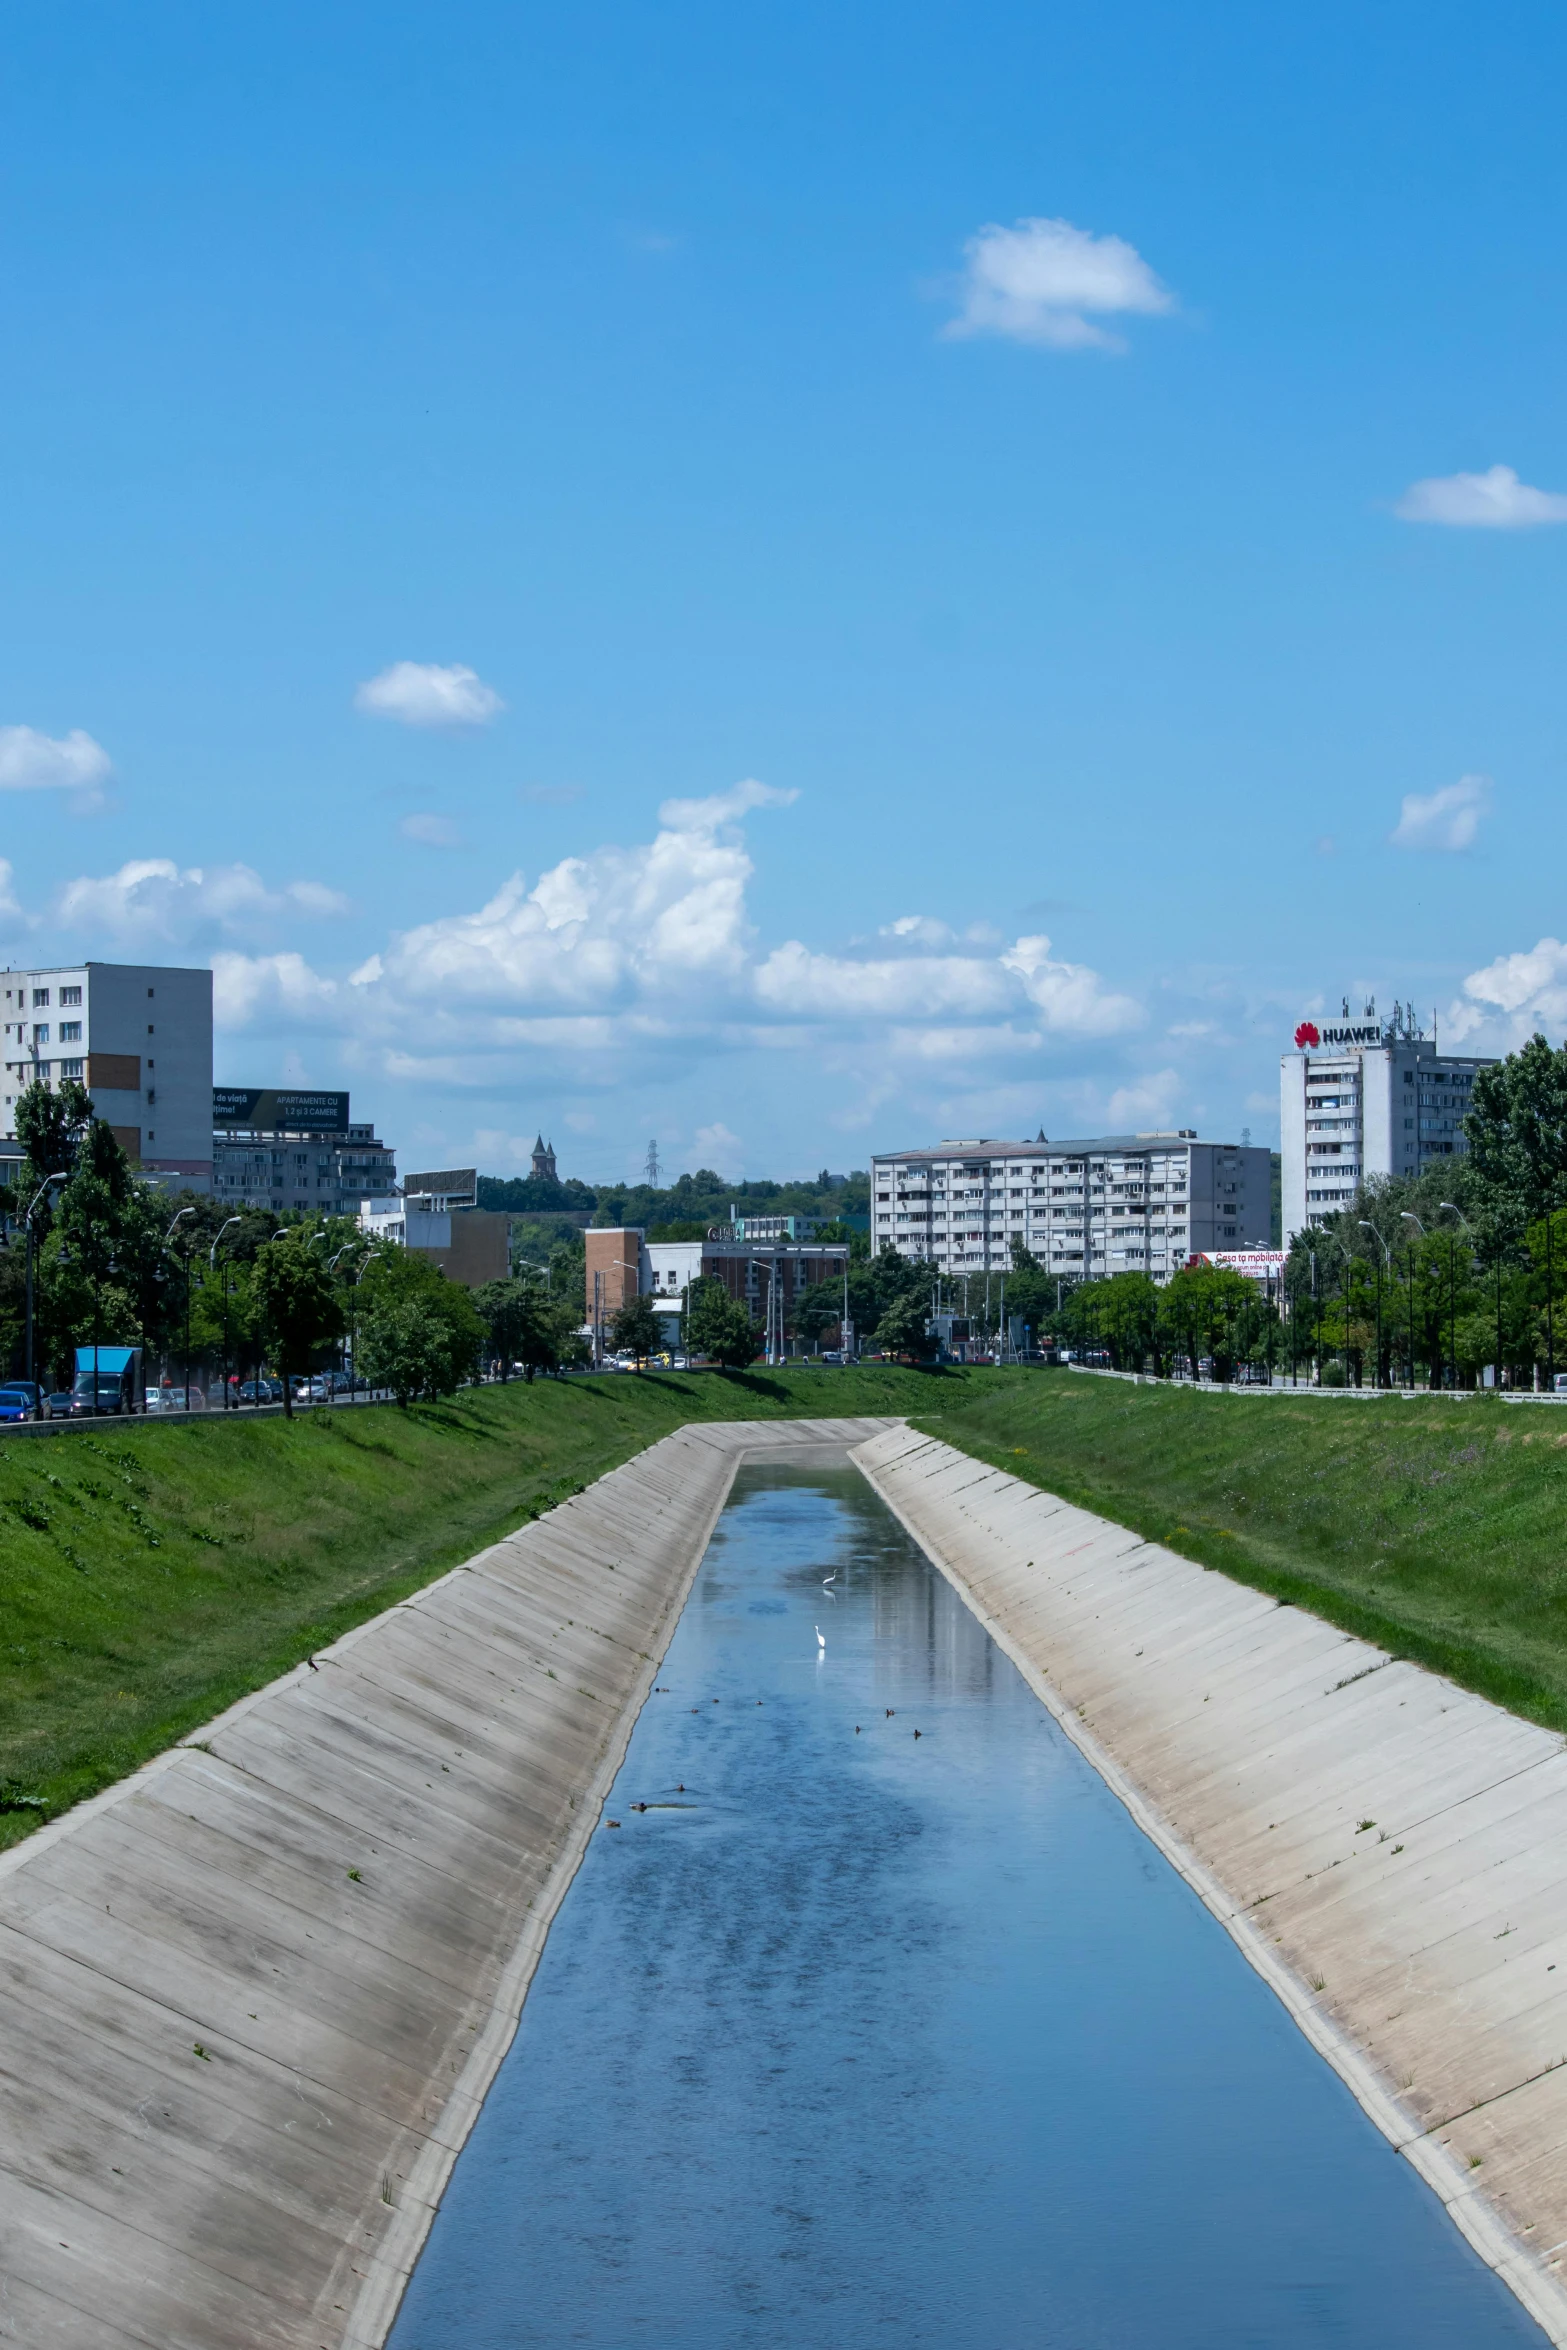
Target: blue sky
x,y
996,436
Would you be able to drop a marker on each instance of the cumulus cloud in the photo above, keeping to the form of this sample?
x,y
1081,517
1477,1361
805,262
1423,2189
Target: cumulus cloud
x,y
30,761
271,991
640,963
1446,819
151,900
1497,500
1147,1105
423,693
1046,282
431,832
725,807
1512,997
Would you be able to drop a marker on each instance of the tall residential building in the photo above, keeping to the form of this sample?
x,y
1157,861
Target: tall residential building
x,y
139,1037
278,1149
1365,1097
1113,1203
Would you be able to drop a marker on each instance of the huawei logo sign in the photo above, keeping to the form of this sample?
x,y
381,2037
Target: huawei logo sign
x,y
1306,1034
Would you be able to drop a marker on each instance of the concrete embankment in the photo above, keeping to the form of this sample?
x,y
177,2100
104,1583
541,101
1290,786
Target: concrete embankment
x,y
1389,1850
371,1849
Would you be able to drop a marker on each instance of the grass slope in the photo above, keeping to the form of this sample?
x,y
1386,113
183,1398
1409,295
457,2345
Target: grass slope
x,y
1437,1530
152,1573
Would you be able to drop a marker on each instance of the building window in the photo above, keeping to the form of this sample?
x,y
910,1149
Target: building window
x,y
70,1068
70,1032
70,995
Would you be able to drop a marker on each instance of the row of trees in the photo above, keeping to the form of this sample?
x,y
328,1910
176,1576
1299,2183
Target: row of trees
x,y
114,1261
1429,1278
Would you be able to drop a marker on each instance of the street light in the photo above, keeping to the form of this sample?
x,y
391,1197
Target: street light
x,y
47,1185
179,1219
1452,1282
1365,1226
1407,1217
212,1266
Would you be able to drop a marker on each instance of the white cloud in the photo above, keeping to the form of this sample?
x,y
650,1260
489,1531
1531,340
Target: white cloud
x,y
1044,281
716,1147
725,807
423,693
151,900
30,761
1513,997
639,966
1445,819
1497,500
1147,1105
270,991
432,832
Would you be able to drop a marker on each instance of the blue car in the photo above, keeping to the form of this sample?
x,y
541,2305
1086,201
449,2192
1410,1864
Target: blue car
x,y
17,1402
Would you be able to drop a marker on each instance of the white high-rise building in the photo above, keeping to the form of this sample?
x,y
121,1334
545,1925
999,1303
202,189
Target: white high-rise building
x,y
1116,1203
1365,1097
139,1037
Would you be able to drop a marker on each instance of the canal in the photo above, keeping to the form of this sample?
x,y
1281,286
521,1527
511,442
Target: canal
x,y
884,2024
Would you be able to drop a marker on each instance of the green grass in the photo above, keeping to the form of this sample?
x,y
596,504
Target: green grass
x,y
152,1573
1436,1529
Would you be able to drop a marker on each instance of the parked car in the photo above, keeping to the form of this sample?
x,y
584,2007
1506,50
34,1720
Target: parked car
x,y
175,1399
15,1404
257,1391
315,1389
832,1354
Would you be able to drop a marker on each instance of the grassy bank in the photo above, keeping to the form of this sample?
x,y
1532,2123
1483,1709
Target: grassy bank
x,y
1438,1530
152,1573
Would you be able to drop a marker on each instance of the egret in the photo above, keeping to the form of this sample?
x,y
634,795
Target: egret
x,y
821,1643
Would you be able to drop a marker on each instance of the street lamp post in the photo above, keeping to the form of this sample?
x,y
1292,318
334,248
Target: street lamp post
x,y
212,1266
1408,1217
179,1219
47,1185
1388,1254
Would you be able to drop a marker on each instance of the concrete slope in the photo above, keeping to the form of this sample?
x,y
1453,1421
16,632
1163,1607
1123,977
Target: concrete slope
x,y
369,1850
1390,1851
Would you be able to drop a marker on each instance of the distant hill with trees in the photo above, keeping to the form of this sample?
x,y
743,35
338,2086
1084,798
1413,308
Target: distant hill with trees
x,y
698,1199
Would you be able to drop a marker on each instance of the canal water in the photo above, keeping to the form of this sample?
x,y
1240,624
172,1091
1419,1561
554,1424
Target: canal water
x,y
884,2025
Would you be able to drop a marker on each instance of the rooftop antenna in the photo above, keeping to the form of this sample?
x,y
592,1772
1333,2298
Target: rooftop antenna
x,y
650,1167
1345,1001
1245,1138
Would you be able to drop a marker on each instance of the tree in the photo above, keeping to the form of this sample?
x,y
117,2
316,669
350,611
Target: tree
x,y
638,1329
1201,1309
49,1127
298,1308
819,1309
1126,1313
502,1306
718,1325
419,1333
904,1329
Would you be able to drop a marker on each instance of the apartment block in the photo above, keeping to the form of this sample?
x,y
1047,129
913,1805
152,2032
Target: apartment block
x,y
284,1150
139,1037
1365,1097
1113,1203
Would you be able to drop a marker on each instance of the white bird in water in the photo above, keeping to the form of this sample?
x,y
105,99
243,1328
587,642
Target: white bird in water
x,y
821,1644
828,1582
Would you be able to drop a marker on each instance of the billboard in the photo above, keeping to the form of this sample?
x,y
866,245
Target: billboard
x,y
1259,1264
267,1109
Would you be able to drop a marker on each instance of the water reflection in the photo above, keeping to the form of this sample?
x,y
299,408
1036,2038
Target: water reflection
x,y
876,2038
